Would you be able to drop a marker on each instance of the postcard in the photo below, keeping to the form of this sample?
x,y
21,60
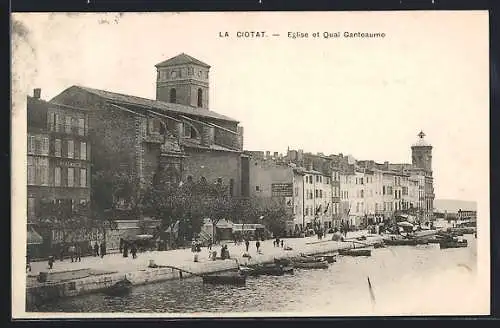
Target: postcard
x,y
216,164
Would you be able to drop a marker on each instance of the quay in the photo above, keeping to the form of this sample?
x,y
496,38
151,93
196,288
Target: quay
x,y
95,274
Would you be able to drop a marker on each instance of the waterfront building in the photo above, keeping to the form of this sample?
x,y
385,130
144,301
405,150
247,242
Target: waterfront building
x,y
58,161
174,138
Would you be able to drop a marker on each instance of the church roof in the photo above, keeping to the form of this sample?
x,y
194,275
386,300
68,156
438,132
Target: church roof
x,y
161,106
182,59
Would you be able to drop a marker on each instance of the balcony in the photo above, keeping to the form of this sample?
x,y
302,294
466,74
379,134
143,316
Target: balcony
x,y
154,138
68,129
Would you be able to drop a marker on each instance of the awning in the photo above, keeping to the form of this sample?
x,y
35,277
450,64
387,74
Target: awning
x,y
34,237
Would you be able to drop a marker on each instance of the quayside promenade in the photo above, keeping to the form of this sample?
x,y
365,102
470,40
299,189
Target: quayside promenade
x,y
93,274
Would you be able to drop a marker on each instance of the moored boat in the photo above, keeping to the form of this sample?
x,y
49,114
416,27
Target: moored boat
x,y
379,245
453,244
225,279
329,258
355,252
306,259
311,265
120,288
401,242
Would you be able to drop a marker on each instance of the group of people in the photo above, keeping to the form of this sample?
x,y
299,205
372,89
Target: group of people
x,y
277,242
125,246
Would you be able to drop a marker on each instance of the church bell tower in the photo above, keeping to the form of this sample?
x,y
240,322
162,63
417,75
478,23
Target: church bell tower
x,y
421,153
183,80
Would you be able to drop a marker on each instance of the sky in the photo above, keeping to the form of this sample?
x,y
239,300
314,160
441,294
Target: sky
x,y
365,97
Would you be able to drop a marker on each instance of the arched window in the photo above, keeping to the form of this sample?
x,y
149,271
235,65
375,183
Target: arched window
x,y
200,98
173,95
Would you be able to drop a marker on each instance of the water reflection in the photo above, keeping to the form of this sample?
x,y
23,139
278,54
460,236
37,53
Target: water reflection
x,y
403,278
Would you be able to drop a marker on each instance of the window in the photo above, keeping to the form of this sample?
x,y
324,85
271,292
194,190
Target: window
x,y
81,126
68,124
31,171
231,187
321,193
71,149
57,176
57,122
362,193
71,177
45,146
361,180
31,207
83,150
200,97
31,144
57,147
307,210
173,96
187,130
316,193
83,177
257,188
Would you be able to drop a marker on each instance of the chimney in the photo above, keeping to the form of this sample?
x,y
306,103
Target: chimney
x,y
386,165
37,93
275,154
268,154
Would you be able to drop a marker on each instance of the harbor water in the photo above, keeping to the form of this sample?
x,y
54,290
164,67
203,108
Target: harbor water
x,y
404,280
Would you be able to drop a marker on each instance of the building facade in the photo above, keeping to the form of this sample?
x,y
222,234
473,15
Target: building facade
x,y
58,162
58,155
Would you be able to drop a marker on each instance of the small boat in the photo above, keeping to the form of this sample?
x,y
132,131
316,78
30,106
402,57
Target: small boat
x,y
244,270
434,240
283,261
379,245
329,258
355,252
312,265
306,259
453,244
225,279
401,242
120,288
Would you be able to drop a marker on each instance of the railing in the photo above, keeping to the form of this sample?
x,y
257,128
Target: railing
x,y
68,128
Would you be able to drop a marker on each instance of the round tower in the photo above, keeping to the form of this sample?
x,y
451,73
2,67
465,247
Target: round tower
x,y
421,153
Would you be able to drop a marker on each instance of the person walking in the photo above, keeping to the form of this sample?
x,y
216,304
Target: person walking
x,y
257,245
103,249
78,253
281,243
96,249
133,250
72,251
247,244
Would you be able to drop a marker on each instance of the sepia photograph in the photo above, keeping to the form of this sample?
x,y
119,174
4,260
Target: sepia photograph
x,y
260,164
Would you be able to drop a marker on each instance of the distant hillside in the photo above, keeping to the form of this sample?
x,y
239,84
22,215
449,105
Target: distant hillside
x,y
453,205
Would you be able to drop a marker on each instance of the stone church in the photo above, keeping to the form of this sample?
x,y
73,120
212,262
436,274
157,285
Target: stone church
x,y
176,135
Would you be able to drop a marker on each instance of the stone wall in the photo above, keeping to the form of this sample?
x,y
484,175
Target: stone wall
x,y
213,165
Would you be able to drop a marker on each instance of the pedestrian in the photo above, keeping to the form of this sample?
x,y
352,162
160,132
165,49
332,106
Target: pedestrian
x,y
125,249
96,249
103,249
247,244
79,252
210,244
72,251
257,245
61,253
133,250
121,245
281,243
28,261
51,261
